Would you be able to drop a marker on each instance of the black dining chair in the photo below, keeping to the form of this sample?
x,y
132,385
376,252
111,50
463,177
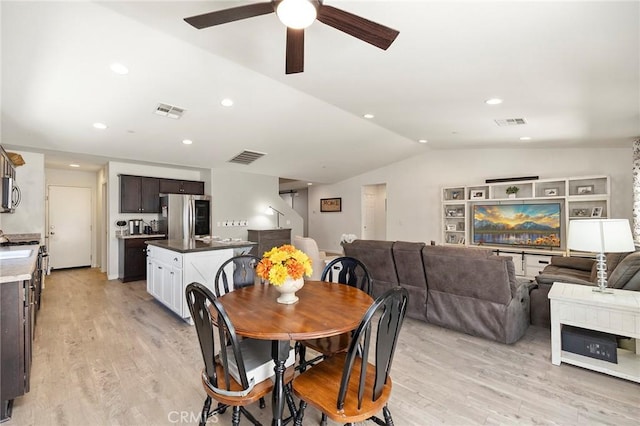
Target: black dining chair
x,y
341,270
363,388
244,273
218,378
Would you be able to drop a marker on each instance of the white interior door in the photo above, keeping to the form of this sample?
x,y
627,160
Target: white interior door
x,y
69,226
374,212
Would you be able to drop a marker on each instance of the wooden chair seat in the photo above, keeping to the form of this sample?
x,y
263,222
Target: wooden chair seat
x,y
319,387
259,390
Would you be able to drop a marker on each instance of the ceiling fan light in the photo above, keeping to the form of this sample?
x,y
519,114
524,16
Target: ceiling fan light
x,y
296,14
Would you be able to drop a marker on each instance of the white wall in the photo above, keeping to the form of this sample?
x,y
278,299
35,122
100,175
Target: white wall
x,y
79,179
243,196
29,216
414,185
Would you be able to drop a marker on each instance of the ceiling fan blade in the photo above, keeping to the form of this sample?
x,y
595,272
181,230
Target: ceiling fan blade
x,y
229,15
295,51
368,31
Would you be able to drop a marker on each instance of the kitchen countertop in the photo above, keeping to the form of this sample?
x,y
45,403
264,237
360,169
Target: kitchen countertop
x,y
18,269
190,246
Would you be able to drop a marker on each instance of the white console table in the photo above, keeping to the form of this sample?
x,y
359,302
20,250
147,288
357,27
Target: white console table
x,y
617,313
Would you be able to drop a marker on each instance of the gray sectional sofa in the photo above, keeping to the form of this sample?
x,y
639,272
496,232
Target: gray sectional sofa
x,y
465,289
623,272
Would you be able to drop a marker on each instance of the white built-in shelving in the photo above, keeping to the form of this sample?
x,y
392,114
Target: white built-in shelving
x,y
579,198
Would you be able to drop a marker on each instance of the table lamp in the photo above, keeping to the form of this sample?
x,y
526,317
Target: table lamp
x,y
601,236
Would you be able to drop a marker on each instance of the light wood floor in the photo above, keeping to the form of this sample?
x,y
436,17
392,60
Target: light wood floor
x,y
107,353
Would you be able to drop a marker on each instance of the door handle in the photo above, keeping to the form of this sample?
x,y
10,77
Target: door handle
x,y
52,233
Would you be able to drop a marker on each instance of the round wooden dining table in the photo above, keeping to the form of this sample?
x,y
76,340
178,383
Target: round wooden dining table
x,y
323,310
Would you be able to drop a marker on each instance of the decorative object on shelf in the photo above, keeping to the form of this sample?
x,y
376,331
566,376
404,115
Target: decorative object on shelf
x,y
512,191
477,194
270,210
451,238
601,236
596,212
580,212
551,192
284,267
330,204
452,227
585,190
455,195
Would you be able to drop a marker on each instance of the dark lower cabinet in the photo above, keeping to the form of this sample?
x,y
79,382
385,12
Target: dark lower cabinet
x,y
268,239
17,310
133,258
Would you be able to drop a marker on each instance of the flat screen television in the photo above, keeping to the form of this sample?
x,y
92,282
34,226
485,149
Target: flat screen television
x,y
523,225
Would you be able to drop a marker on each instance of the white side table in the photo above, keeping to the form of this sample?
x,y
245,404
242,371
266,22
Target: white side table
x,y
617,313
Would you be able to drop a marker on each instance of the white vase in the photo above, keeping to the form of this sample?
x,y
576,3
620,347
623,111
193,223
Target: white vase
x,y
288,290
512,195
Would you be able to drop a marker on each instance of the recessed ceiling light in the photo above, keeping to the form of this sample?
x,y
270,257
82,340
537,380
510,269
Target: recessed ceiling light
x,y
525,138
100,126
309,183
119,68
226,102
422,141
187,141
493,101
74,165
369,116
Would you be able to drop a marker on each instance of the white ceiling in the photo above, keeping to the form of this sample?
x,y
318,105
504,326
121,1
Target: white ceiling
x,y
571,69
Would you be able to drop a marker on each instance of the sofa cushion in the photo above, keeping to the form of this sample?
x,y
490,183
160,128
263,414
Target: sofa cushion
x,y
625,275
408,260
377,256
458,251
581,263
477,277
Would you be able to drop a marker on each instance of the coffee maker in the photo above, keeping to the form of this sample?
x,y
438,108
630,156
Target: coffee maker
x,y
135,226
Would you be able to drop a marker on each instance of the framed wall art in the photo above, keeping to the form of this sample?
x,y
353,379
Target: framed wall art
x,y
330,204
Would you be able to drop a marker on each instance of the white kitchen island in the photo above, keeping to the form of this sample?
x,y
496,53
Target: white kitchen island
x,y
173,264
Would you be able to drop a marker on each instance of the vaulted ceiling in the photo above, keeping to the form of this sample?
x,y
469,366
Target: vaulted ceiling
x,y
570,69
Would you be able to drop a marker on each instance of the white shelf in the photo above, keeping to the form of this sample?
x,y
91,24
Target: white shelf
x,y
628,366
564,191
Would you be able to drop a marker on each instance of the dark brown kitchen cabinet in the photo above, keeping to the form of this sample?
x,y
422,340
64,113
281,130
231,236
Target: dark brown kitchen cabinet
x,y
133,258
16,322
139,194
176,186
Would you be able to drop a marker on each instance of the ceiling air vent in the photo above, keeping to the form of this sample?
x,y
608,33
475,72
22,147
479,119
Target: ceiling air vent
x,y
511,121
247,157
170,111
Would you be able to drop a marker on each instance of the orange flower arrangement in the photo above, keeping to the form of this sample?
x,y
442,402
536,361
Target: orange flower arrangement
x,y
281,262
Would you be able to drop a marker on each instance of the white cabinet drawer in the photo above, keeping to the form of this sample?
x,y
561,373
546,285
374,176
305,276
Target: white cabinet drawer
x,y
536,263
169,257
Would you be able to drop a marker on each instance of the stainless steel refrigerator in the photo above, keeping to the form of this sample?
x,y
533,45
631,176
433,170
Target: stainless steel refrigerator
x,y
185,217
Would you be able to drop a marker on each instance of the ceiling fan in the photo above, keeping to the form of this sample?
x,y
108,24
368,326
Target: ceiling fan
x,y
297,15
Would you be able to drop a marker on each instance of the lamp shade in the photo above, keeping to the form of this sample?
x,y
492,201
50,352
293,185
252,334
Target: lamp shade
x,y
600,235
